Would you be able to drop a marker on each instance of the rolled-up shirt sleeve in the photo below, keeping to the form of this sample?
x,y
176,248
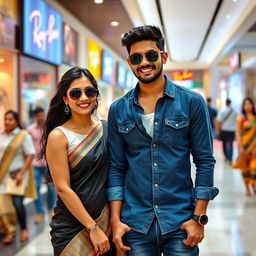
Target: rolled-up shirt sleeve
x,y
117,160
202,150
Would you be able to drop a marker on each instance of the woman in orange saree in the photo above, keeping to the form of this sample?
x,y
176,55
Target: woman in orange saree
x,y
246,138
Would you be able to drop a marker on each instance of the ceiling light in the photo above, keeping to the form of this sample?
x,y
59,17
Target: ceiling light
x,y
1,60
234,1
98,1
228,17
114,23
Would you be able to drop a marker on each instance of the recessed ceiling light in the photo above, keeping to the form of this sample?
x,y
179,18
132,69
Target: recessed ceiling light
x,y
114,23
228,17
1,60
98,1
234,1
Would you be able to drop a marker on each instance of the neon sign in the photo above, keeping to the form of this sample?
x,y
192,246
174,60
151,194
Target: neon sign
x,y
182,75
42,31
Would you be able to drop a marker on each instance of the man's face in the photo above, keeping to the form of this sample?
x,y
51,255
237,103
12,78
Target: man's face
x,y
147,71
39,117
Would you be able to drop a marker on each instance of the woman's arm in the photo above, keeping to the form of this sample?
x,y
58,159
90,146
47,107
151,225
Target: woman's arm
x,y
237,134
57,159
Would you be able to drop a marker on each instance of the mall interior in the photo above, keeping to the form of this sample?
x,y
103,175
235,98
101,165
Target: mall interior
x,y
212,51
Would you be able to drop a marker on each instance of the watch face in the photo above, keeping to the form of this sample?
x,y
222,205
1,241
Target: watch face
x,y
203,219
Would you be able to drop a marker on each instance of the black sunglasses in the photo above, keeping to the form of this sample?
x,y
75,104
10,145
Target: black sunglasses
x,y
76,93
151,56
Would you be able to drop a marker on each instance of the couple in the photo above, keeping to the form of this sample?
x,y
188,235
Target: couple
x,y
155,208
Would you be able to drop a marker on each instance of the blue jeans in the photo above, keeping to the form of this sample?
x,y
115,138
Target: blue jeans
x,y
154,243
39,173
227,140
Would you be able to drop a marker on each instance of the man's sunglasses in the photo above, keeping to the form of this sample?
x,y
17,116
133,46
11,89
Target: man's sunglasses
x,y
76,93
151,56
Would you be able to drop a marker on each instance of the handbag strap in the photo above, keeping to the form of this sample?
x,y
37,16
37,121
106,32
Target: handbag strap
x,y
227,116
10,152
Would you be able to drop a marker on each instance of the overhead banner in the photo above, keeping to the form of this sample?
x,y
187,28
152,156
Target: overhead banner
x,y
42,31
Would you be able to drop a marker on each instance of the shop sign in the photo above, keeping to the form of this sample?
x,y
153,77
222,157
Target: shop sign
x,y
7,31
42,31
121,74
108,67
182,75
69,45
129,79
94,58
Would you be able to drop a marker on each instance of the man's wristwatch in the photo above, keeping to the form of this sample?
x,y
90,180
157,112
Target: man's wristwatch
x,y
201,219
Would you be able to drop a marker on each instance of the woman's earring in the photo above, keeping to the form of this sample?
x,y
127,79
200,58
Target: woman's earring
x,y
66,110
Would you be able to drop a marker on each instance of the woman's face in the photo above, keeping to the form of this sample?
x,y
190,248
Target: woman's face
x,y
81,96
248,107
10,123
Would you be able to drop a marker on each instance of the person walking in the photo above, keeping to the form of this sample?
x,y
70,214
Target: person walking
x,y
75,146
155,206
40,167
226,120
212,114
246,139
16,154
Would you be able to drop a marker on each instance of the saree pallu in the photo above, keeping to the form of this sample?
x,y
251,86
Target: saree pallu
x,y
88,176
248,141
7,215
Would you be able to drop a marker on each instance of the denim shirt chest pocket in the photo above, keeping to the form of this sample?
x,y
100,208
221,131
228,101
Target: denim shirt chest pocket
x,y
126,129
175,130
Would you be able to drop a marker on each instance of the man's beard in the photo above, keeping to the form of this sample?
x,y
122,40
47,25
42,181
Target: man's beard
x,y
151,79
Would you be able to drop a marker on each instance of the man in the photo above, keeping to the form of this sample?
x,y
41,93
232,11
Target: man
x,y
212,114
40,168
226,120
152,130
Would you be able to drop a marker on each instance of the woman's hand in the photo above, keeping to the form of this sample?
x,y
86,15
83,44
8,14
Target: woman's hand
x,y
99,240
19,177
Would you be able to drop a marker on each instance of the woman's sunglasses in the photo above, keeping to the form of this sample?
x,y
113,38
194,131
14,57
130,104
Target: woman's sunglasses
x,y
151,56
76,93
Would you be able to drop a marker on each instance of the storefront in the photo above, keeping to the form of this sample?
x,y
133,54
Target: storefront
x,y
42,49
8,58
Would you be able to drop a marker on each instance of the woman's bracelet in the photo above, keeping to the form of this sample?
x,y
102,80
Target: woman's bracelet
x,y
92,227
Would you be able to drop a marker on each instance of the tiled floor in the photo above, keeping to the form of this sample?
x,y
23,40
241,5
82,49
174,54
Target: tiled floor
x,y
231,230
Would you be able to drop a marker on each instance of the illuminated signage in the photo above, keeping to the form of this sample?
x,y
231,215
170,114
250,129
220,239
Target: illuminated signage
x,y
94,58
121,74
129,79
235,60
42,31
182,75
108,67
7,31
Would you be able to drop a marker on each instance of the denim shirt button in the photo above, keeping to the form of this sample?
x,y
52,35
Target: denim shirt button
x,y
154,145
156,185
155,164
156,206
156,123
176,125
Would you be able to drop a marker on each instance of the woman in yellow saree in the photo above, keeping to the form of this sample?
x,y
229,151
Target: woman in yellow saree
x,y
246,138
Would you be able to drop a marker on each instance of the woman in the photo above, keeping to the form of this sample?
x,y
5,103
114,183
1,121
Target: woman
x,y
16,154
76,151
246,138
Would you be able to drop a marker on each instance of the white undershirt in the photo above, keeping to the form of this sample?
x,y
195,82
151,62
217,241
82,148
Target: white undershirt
x,y
147,121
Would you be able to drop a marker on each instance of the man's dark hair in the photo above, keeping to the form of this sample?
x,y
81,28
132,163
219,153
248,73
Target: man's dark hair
x,y
38,110
209,100
228,102
141,33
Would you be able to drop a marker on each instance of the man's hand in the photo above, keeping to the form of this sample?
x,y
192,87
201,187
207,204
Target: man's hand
x,y
195,232
119,229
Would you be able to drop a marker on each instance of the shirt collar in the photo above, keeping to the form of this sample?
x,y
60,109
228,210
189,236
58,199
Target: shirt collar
x,y
168,90
15,131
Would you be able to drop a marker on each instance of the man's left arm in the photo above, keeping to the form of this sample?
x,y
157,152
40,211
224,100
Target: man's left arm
x,y
202,151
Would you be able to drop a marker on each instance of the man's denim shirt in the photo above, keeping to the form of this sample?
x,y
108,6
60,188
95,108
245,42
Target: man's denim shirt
x,y
152,175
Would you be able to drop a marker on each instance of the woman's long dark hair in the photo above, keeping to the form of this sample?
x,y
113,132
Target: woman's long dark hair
x,y
253,106
15,115
56,115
